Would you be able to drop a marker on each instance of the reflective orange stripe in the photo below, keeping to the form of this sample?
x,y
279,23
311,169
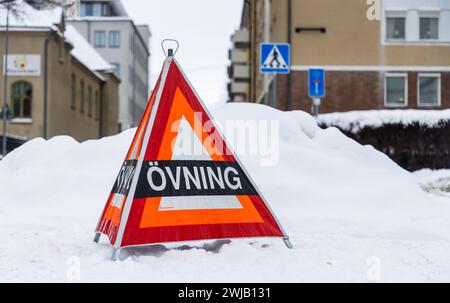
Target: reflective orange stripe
x,y
153,217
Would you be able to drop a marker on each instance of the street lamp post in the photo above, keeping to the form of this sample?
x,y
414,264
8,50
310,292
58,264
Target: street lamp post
x,y
5,83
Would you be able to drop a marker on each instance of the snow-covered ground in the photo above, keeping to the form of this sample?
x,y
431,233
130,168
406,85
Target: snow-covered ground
x,y
436,182
351,213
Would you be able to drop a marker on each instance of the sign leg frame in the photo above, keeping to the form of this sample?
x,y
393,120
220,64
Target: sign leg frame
x,y
97,237
287,242
115,255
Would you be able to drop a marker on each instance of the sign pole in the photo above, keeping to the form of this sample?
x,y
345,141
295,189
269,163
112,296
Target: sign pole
x,y
315,107
274,91
274,60
5,84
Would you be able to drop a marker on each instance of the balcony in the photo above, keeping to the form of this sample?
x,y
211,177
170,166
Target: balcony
x,y
241,71
238,55
238,88
241,38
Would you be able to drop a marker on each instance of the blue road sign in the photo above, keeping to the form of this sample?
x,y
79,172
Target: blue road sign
x,y
316,83
275,58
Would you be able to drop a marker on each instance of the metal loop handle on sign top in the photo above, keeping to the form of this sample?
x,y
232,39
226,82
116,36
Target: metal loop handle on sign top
x,y
169,49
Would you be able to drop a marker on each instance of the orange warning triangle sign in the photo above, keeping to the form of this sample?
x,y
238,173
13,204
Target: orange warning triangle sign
x,y
180,180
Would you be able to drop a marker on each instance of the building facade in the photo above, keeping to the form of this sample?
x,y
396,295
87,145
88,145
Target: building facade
x,y
107,27
57,84
239,68
385,54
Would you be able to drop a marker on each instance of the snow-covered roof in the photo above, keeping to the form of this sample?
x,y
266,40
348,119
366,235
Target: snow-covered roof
x,y
31,19
84,52
100,18
355,120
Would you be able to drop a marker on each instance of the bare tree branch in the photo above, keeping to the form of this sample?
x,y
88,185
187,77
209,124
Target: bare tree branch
x,y
17,7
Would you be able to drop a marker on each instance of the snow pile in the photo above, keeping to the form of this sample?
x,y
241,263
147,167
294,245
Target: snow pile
x,y
356,120
436,182
346,208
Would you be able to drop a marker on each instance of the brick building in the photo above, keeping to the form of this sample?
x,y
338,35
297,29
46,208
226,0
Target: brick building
x,y
385,54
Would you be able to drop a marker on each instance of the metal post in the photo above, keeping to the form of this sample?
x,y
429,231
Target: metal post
x,y
289,36
47,41
5,84
116,254
315,107
287,242
97,237
134,122
274,91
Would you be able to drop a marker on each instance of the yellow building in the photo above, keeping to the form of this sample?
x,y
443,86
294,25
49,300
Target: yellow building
x,y
57,83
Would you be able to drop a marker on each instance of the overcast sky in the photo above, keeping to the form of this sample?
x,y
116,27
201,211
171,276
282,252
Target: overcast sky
x,y
203,29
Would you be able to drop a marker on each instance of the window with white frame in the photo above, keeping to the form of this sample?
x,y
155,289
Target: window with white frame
x,y
99,38
429,28
395,25
396,90
429,89
114,39
96,9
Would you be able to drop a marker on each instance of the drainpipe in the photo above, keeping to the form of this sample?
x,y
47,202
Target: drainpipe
x,y
289,38
248,3
5,85
100,109
134,80
266,40
253,49
47,41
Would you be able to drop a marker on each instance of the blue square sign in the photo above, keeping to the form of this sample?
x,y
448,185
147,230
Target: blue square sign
x,y
316,82
275,58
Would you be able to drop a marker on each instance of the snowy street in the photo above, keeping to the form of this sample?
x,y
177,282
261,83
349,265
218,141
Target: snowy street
x,y
352,214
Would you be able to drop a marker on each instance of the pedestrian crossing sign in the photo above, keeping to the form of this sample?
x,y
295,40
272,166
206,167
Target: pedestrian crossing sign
x,y
275,58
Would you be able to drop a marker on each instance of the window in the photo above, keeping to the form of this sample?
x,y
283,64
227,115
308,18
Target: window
x,y
114,39
73,96
429,89
395,27
106,11
97,9
89,101
396,90
21,95
429,28
99,38
97,106
86,9
81,96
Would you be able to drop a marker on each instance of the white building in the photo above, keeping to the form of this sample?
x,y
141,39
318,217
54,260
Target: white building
x,y
106,25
